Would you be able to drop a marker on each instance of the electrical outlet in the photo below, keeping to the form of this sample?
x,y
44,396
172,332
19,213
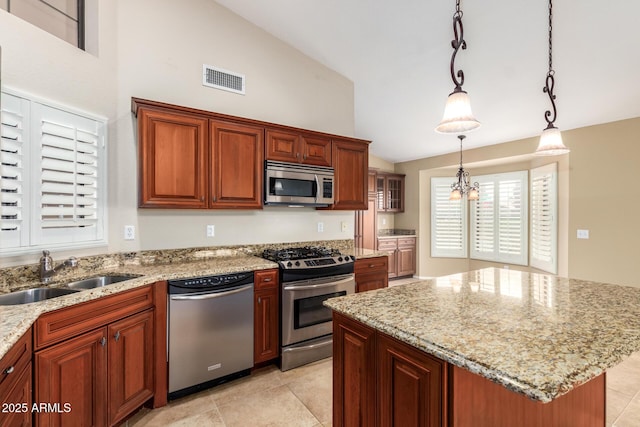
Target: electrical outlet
x,y
344,226
320,227
211,230
129,232
583,234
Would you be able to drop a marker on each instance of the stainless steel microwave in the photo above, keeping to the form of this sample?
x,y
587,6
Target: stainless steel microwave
x,y
294,184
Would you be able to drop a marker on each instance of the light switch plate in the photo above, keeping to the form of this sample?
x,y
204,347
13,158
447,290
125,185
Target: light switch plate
x,y
211,230
320,227
583,234
344,226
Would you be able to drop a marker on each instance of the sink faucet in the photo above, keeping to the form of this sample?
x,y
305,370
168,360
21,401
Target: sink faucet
x,y
47,270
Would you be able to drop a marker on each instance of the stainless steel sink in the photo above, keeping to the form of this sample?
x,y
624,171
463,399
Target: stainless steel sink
x,y
33,295
99,281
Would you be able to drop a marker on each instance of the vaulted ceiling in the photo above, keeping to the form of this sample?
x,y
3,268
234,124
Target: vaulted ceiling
x,y
397,53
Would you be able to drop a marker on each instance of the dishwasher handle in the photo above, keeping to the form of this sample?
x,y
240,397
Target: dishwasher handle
x,y
210,295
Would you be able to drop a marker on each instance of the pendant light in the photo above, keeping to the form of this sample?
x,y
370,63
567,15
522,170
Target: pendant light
x,y
462,186
550,141
457,117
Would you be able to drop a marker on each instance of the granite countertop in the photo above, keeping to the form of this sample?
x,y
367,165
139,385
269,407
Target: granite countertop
x,y
362,253
15,320
536,334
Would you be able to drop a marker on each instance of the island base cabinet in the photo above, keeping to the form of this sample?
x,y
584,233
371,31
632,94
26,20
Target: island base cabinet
x,y
410,385
20,395
478,402
99,377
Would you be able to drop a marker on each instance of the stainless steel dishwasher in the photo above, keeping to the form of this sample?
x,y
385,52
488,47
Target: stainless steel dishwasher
x,y
210,331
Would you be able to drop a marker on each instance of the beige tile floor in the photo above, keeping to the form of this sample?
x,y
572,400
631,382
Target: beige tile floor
x,y
302,397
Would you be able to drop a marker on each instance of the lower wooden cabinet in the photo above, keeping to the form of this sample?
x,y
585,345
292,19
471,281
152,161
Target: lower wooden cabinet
x,y
266,344
371,273
15,384
402,255
102,375
380,381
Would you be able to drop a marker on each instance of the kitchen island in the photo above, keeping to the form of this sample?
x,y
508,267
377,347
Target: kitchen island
x,y
489,347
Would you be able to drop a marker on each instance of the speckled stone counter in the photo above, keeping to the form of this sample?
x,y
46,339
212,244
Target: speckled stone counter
x,y
536,334
362,253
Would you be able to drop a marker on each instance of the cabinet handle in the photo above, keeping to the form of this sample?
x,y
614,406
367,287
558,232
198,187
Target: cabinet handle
x,y
103,341
259,300
297,155
371,265
9,370
117,336
202,199
267,279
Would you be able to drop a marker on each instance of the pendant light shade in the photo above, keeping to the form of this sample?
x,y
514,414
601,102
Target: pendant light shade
x,y
551,143
458,117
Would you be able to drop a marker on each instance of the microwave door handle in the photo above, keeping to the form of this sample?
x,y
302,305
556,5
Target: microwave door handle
x,y
317,186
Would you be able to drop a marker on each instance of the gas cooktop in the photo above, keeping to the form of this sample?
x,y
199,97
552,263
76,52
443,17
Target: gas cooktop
x,y
306,257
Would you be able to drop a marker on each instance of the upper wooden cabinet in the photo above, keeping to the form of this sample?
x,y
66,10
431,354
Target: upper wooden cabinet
x,y
172,159
390,192
351,166
236,164
298,148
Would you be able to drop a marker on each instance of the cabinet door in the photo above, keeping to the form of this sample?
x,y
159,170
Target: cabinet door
x,y
371,281
130,344
20,395
237,165
265,317
394,194
316,150
390,247
351,165
172,159
406,257
283,146
410,385
73,372
354,373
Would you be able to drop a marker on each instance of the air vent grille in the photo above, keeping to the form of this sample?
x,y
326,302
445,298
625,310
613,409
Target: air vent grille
x,y
222,79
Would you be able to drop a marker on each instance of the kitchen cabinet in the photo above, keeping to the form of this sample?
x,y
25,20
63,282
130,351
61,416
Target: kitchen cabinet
x,y
187,160
351,165
390,192
371,273
98,356
296,147
15,384
402,255
366,225
172,159
266,316
378,380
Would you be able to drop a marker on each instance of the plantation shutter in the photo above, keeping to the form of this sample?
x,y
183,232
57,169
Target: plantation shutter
x,y
448,221
13,189
69,209
544,225
499,219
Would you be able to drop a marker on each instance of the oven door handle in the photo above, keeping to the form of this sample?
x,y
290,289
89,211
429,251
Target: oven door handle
x,y
307,347
209,296
318,286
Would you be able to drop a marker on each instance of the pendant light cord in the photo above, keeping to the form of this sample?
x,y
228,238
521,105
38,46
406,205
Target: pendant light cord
x,y
550,81
551,37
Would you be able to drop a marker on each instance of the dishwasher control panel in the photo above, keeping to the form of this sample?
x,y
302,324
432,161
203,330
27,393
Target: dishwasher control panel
x,y
209,282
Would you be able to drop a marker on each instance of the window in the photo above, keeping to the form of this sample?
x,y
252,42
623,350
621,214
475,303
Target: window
x,y
52,185
448,221
544,224
499,223
62,18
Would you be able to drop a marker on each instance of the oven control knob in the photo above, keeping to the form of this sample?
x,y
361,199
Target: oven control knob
x,y
289,264
297,263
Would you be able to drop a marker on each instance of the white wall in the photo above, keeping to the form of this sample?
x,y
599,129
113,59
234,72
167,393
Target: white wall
x,y
155,49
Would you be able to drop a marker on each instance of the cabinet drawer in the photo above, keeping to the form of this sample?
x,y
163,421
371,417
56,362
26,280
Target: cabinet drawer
x,y
387,244
265,279
13,363
371,265
407,241
68,322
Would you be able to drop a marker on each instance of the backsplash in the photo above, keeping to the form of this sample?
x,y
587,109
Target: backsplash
x,y
396,232
26,276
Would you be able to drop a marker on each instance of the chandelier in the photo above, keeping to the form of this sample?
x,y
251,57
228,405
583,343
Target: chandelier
x,y
550,141
462,186
457,117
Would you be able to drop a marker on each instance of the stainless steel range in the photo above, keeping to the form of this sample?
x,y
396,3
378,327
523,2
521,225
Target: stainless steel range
x,y
308,276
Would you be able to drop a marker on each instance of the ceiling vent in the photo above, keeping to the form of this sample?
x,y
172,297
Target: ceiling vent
x,y
222,79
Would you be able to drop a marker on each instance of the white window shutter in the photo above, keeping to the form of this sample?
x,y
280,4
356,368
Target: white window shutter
x,y
448,221
67,179
14,191
544,223
483,244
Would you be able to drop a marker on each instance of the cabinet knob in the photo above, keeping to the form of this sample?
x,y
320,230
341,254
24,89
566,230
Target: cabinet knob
x,y
371,265
9,370
267,279
297,155
259,300
103,341
202,199
117,336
